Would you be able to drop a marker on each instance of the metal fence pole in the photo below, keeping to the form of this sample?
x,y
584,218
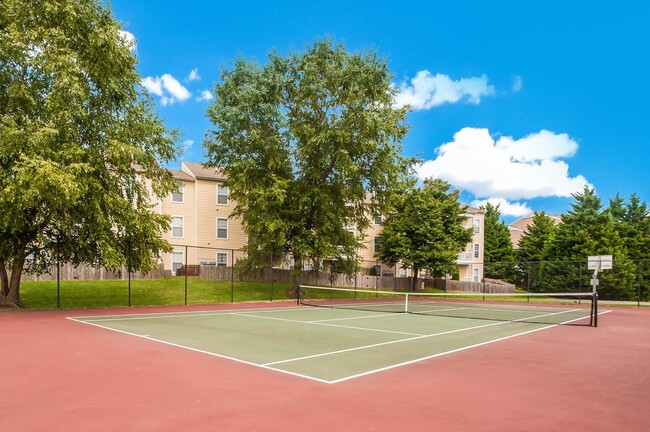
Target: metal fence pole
x,y
128,270
232,275
58,274
271,277
186,275
638,287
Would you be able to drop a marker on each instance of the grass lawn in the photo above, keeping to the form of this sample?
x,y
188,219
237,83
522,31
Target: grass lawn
x,y
146,292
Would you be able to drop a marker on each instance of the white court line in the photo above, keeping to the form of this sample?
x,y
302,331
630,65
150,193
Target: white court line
x,y
381,344
267,367
201,351
415,338
328,325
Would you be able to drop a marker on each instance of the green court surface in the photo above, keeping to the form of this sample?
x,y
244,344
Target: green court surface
x,y
332,345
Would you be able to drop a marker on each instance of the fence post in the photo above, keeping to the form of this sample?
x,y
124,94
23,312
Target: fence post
x,y
271,277
128,270
638,287
58,274
185,275
232,275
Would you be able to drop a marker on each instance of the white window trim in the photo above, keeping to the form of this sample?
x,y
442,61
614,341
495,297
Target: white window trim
x,y
182,218
477,226
182,254
227,195
477,250
376,244
217,259
227,229
182,192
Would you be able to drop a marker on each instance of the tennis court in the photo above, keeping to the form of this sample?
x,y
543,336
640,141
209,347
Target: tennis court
x,y
351,334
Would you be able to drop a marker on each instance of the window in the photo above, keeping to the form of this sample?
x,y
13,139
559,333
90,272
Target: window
x,y
475,275
402,272
177,261
377,244
177,226
222,228
222,194
477,226
378,220
376,270
222,259
177,196
477,250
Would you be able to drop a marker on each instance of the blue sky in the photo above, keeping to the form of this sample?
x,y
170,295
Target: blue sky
x,y
517,102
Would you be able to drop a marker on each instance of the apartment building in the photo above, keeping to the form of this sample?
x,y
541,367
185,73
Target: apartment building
x,y
203,230
470,261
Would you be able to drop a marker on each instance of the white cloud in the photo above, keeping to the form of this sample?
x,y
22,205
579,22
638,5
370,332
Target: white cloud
x,y
129,39
517,84
505,207
193,76
205,96
507,168
153,85
426,90
187,144
167,87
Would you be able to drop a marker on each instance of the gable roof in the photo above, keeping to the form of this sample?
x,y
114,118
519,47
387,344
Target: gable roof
x,y
199,171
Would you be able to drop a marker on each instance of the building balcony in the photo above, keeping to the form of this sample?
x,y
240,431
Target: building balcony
x,y
465,258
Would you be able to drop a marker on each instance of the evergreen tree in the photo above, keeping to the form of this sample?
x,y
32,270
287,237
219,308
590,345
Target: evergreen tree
x,y
499,253
632,222
531,248
587,230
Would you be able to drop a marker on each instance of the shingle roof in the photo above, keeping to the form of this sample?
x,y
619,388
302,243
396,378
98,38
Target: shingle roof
x,y
199,171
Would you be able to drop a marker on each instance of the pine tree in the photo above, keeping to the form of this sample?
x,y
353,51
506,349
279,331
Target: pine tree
x,y
587,230
531,248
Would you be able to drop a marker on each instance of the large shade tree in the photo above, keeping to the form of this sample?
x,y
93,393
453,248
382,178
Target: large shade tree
x,y
81,148
426,230
311,144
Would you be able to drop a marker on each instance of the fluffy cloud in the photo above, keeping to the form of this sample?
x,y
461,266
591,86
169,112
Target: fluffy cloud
x,y
129,39
505,207
167,87
426,90
193,76
507,168
205,96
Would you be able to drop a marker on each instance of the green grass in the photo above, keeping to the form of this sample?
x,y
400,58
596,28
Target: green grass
x,y
168,291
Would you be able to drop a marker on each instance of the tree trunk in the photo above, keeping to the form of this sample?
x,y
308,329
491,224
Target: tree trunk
x,y
12,297
414,281
4,279
296,274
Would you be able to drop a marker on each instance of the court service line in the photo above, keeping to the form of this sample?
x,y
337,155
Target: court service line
x,y
449,352
414,338
328,325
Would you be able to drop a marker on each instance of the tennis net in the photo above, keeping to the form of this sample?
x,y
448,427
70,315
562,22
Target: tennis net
x,y
547,308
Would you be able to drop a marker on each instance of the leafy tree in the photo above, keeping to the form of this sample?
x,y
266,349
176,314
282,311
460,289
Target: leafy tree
x,y
305,140
80,145
499,253
587,230
531,247
425,232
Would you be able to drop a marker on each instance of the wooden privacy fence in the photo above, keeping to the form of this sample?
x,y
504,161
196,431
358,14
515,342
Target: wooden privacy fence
x,y
212,272
69,271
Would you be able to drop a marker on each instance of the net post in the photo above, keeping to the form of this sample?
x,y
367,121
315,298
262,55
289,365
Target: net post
x,y
595,309
406,303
